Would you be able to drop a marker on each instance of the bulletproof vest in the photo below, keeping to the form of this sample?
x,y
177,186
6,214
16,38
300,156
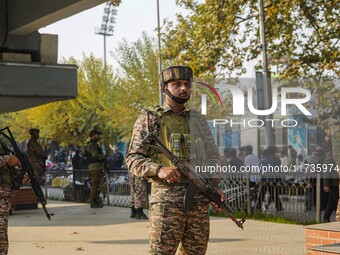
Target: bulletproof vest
x,y
182,134
88,154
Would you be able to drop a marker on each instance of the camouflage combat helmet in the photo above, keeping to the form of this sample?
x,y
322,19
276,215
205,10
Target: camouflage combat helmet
x,y
173,73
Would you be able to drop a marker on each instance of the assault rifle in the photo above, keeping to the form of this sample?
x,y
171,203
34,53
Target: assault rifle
x,y
194,178
26,167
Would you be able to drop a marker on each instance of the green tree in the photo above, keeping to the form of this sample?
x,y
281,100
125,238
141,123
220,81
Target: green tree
x,y
219,36
69,122
137,84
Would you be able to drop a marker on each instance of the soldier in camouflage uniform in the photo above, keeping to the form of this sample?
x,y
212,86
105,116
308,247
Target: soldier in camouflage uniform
x,y
138,196
6,178
97,161
36,155
172,226
330,184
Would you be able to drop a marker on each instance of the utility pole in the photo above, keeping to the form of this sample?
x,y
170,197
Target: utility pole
x,y
265,76
159,52
107,26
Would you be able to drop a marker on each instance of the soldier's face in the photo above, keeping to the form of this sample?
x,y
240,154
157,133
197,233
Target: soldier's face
x,y
180,88
95,137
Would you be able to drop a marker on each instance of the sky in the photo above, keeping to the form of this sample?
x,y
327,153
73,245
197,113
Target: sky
x,y
76,34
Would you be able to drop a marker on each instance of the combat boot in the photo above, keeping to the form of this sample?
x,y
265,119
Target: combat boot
x,y
140,214
133,212
99,202
94,204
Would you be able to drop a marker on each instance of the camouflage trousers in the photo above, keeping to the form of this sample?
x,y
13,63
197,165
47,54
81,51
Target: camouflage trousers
x,y
137,190
5,195
171,228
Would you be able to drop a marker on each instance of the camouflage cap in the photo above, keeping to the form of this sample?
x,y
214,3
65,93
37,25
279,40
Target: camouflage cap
x,y
94,132
34,131
173,73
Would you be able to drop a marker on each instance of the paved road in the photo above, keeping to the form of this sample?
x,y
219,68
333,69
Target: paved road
x,y
77,229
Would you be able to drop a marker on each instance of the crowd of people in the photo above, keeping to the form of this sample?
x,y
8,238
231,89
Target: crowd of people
x,y
300,168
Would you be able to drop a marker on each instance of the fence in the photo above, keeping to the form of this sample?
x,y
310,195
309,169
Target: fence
x,y
74,185
292,198
299,199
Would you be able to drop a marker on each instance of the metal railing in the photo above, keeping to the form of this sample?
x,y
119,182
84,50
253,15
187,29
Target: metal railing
x,y
298,199
74,185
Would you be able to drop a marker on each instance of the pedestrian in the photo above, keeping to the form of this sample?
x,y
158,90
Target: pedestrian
x,y
311,161
252,162
330,184
118,159
234,161
173,224
36,155
284,159
337,216
96,159
76,160
273,182
6,178
138,192
292,157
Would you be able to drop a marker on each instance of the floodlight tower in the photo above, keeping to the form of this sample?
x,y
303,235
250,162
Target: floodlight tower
x,y
107,27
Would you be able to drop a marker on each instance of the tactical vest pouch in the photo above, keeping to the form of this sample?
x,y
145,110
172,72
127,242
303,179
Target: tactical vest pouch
x,y
187,146
175,143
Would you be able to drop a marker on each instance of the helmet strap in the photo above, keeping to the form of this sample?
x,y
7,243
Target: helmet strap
x,y
178,100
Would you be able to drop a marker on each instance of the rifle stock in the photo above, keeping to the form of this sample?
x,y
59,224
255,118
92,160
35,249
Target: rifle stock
x,y
188,170
26,167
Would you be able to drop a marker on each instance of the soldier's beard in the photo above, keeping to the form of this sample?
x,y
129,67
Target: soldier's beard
x,y
178,100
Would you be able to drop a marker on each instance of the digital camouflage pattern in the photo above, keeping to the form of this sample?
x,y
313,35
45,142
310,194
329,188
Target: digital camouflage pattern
x,y
170,228
37,158
173,73
5,195
138,191
169,225
140,163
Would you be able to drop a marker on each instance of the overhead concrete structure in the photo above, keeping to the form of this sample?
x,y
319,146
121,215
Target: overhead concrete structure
x,y
29,72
